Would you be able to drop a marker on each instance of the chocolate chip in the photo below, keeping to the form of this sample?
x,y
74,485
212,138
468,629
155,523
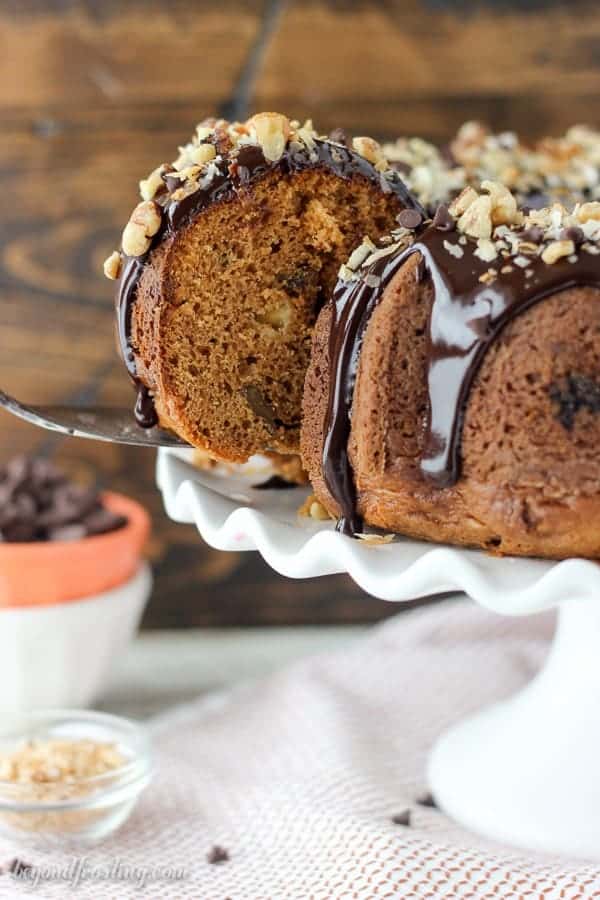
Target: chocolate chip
x,y
427,799
258,404
409,218
442,219
573,233
402,818
39,503
274,483
573,393
533,235
217,855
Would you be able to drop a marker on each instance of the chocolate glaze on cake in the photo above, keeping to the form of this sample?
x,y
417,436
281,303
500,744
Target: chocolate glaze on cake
x,y
233,172
469,312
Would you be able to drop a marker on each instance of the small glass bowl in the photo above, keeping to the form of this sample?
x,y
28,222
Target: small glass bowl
x,y
84,810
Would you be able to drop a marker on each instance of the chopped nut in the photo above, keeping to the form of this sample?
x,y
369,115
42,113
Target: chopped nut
x,y
488,276
134,240
462,202
358,256
453,249
557,250
486,250
345,273
53,771
272,132
504,204
112,265
144,222
148,215
151,185
589,211
203,132
306,133
371,151
375,538
476,220
202,154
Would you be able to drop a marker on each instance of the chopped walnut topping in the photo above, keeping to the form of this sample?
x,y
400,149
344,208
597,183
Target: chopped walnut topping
x,y
371,151
488,276
462,202
486,250
360,254
504,204
199,162
112,265
272,132
150,186
202,154
454,250
374,539
306,133
555,168
589,212
476,221
556,250
143,224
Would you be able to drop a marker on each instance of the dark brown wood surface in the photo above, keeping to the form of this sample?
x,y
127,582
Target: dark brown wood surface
x,y
94,94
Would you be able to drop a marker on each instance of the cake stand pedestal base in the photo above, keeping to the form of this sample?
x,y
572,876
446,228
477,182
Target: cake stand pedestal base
x,y
527,771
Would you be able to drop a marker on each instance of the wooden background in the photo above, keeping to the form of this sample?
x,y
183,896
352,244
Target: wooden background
x,y
94,94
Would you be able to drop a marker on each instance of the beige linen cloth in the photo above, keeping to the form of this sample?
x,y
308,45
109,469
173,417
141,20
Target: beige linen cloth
x,y
298,777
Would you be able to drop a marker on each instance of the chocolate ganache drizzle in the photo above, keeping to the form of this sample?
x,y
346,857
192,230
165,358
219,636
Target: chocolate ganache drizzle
x,y
226,178
467,315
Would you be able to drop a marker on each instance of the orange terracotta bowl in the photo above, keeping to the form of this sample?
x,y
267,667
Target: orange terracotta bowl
x,y
46,573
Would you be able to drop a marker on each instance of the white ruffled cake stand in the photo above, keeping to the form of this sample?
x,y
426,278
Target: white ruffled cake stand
x,y
526,771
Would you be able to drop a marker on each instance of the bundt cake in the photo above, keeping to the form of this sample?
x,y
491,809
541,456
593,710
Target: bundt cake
x,y
224,266
454,390
564,169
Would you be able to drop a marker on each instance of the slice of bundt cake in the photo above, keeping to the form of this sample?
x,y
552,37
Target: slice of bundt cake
x,y
454,387
224,266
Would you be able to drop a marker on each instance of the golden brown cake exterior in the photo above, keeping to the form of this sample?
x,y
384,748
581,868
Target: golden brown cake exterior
x,y
224,267
528,478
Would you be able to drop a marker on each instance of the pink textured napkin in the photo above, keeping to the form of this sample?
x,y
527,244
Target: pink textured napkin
x,y
299,776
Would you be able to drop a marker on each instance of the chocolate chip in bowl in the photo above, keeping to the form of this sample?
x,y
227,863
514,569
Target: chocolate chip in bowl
x,y
38,502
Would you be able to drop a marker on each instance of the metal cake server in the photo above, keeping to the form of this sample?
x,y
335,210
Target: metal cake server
x,y
111,424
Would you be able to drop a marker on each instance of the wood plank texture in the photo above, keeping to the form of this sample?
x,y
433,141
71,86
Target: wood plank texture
x,y
411,67
94,93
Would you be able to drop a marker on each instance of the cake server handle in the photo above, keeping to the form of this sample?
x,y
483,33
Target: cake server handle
x,y
100,423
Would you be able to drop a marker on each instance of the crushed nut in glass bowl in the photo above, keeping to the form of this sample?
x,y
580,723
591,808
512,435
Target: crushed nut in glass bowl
x,y
70,775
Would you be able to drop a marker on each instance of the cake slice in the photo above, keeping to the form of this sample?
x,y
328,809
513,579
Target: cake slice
x,y
224,266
